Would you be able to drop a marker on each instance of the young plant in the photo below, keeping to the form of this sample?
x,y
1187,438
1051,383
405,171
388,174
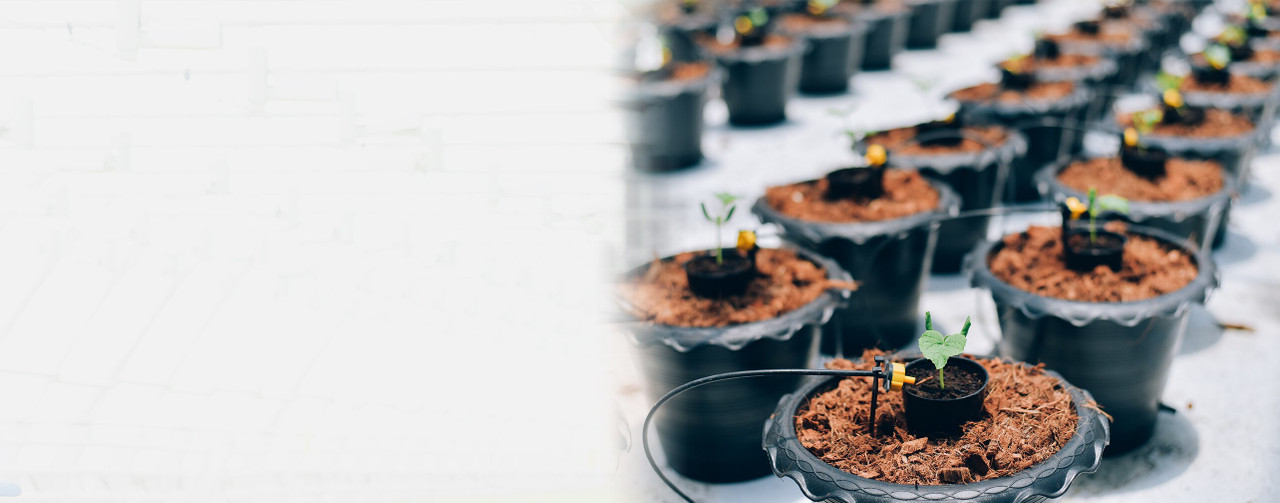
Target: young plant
x,y
1218,56
940,348
1095,206
727,207
1167,81
652,53
820,8
750,26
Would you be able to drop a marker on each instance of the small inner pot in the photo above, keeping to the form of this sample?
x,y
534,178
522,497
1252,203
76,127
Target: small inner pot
x,y
1047,49
1083,254
1016,81
753,38
1089,27
1242,52
1116,11
1145,162
941,413
1212,76
855,183
1185,115
940,133
716,281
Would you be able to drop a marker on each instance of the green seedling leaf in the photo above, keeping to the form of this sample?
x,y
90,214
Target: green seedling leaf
x,y
1112,202
1218,56
940,348
1146,120
1166,81
726,212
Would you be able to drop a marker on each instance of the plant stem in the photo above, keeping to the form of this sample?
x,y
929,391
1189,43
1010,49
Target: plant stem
x,y
941,385
719,244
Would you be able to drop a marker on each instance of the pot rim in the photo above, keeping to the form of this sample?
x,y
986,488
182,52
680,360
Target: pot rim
x,y
1080,313
1008,151
1047,183
820,481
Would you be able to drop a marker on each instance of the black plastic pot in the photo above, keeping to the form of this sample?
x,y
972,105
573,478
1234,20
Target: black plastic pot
x,y
1196,220
886,34
976,177
890,259
969,12
1095,76
820,481
683,31
1041,122
1129,57
664,122
1120,352
929,20
712,433
1086,249
935,417
1259,107
717,281
759,81
832,55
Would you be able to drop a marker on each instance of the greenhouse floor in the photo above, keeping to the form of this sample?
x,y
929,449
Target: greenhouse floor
x,y
1219,442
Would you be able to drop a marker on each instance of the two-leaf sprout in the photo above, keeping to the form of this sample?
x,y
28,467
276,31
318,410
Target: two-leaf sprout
x,y
820,7
1096,205
747,23
940,348
726,207
1218,56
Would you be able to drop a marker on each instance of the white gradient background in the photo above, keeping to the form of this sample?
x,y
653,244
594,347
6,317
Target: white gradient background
x,y
306,250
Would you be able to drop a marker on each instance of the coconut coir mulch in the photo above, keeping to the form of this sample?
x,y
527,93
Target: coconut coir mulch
x,y
785,282
1028,418
1184,179
1064,60
1040,91
715,46
804,23
1217,123
1237,84
898,141
1032,261
905,193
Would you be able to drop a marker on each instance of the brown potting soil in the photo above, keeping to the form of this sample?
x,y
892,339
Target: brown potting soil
x,y
854,6
1028,418
1237,84
1112,34
1184,179
1064,60
690,71
714,45
898,141
785,282
959,382
1217,123
1032,261
803,23
905,193
1259,56
1040,91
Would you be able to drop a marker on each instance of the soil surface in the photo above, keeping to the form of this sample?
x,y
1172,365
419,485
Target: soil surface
x,y
804,23
959,382
1032,261
1064,60
715,46
1040,91
894,140
785,282
855,6
1217,124
1238,84
1184,179
905,193
1029,417
1110,34
1259,56
690,71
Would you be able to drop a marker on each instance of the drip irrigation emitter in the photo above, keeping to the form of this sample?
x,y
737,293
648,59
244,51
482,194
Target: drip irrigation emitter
x,y
886,375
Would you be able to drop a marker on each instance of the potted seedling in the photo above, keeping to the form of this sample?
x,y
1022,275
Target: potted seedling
x,y
1258,62
879,223
974,452
835,45
1108,317
932,407
1040,110
703,312
1122,42
1214,85
929,20
971,159
664,106
682,22
887,24
1050,63
762,68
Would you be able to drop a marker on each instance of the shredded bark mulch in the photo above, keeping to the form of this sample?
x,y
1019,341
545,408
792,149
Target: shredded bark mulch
x,y
898,141
1111,34
1237,84
1184,179
785,282
1064,60
905,193
771,41
855,6
1259,56
1039,91
1032,261
1029,417
690,71
802,23
1217,124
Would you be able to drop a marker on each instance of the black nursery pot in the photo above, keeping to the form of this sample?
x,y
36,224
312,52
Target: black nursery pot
x,y
929,20
759,81
832,55
886,37
976,177
717,281
819,481
1121,351
1195,220
1085,250
712,433
664,122
969,12
937,417
890,259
